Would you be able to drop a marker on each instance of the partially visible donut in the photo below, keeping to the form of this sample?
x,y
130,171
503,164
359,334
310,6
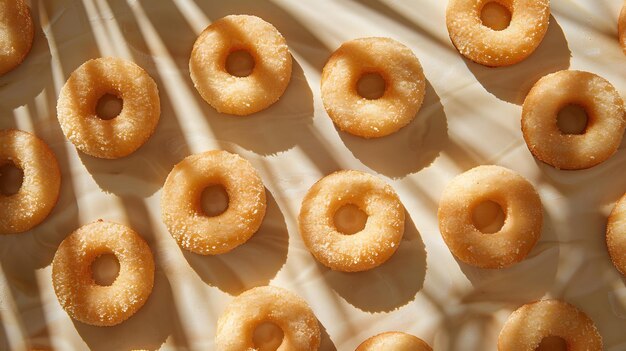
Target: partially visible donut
x,y
616,235
394,341
531,323
122,135
16,33
41,183
240,95
235,327
483,45
372,118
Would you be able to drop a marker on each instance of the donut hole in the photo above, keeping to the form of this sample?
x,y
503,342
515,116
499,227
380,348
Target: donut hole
x,y
109,106
488,217
11,179
267,336
572,119
105,269
552,343
495,16
240,63
371,86
349,219
214,200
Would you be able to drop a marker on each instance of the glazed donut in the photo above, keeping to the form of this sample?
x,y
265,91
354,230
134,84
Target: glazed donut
x,y
483,45
621,28
16,33
394,341
182,211
616,235
73,280
372,118
240,95
361,251
531,323
235,327
41,183
517,198
605,126
122,135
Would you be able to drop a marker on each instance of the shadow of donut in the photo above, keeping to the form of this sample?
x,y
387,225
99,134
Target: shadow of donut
x,y
326,344
512,83
390,285
409,150
251,264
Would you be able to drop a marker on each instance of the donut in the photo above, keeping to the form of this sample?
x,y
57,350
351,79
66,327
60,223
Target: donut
x,y
16,33
517,198
394,341
531,323
41,182
182,211
235,327
365,249
616,235
621,27
122,135
240,95
605,125
493,48
372,118
73,281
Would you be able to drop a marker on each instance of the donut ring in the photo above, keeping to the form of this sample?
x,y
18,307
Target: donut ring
x,y
605,126
483,45
73,282
621,28
404,87
122,135
182,211
240,95
394,341
40,185
519,201
235,327
16,33
616,235
531,323
361,251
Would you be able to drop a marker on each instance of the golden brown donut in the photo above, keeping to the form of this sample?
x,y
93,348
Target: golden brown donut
x,y
240,95
621,27
122,135
361,251
394,341
235,327
73,280
182,211
531,323
40,185
483,45
372,118
616,235
605,125
16,33
519,201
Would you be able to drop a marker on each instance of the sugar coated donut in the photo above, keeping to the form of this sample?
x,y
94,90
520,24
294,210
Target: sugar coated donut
x,y
182,211
235,327
621,28
531,323
395,341
372,118
73,281
40,185
16,33
361,251
122,135
240,95
605,124
483,45
616,235
517,198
